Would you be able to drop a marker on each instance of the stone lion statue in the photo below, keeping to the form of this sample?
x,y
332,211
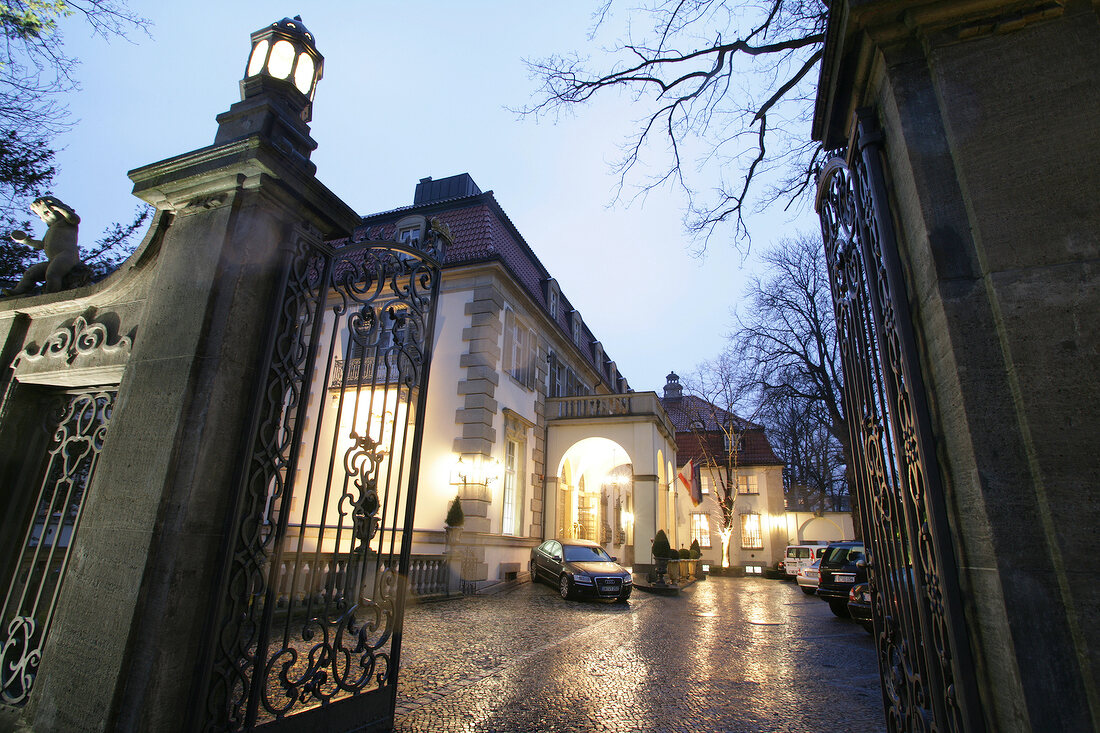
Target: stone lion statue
x,y
59,245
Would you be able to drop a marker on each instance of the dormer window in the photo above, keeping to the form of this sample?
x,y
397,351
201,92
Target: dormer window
x,y
553,298
576,328
410,230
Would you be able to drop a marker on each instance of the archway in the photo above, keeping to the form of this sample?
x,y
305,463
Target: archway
x,y
595,497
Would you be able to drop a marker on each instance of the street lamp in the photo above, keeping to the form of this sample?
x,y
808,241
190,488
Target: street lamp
x,y
285,53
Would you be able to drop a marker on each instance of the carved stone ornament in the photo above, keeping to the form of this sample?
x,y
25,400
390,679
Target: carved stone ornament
x,y
75,355
83,337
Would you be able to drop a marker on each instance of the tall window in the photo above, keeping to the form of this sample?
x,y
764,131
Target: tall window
x,y
700,529
552,300
510,521
752,538
553,377
515,451
520,350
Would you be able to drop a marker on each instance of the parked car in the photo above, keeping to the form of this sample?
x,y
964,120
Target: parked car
x,y
801,556
859,605
808,577
580,568
843,565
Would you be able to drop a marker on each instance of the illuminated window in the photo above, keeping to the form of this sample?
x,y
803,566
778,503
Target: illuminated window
x,y
513,487
751,536
747,485
700,529
510,523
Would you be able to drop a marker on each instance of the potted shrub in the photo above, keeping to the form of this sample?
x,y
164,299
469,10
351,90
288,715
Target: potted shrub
x,y
687,567
696,554
454,521
661,552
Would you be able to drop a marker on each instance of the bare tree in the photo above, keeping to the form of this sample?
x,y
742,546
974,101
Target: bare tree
x,y
35,76
813,460
725,85
787,335
719,393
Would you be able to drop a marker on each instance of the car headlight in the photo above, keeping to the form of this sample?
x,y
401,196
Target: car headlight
x,y
582,580
628,580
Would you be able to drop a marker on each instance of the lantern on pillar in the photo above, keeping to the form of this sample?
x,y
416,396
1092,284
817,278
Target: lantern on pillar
x,y
284,53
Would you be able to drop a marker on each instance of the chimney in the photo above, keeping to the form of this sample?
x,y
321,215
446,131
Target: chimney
x,y
452,187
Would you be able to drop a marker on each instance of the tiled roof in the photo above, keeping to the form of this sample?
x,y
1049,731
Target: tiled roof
x,y
709,438
482,231
685,410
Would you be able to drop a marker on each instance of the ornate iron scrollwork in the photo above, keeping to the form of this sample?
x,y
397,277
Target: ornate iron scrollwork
x,y
81,427
916,602
313,588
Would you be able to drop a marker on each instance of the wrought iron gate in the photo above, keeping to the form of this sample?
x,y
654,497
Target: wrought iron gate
x,y
307,632
78,423
923,651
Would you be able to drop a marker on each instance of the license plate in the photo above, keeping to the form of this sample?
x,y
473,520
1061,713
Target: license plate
x,y
844,578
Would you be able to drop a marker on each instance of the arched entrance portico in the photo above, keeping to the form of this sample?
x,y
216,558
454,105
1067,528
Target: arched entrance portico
x,y
595,496
610,481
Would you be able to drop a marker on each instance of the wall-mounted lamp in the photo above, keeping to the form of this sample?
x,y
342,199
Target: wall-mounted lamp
x,y
475,469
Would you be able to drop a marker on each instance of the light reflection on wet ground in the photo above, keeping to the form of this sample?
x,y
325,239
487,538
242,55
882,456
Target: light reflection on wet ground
x,y
728,654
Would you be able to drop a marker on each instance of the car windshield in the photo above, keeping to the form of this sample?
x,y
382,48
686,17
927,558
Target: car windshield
x,y
582,553
842,555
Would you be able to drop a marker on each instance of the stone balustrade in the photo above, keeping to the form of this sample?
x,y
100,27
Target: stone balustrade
x,y
631,404
313,574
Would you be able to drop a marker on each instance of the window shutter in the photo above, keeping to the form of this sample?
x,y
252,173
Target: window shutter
x,y
509,328
555,376
532,359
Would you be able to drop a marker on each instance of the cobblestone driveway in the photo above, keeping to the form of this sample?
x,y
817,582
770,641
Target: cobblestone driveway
x,y
728,654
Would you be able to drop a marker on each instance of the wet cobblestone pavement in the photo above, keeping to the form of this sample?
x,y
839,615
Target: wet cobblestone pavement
x,y
727,654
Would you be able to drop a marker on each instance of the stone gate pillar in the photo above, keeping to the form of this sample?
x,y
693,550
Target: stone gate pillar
x,y
129,629
989,115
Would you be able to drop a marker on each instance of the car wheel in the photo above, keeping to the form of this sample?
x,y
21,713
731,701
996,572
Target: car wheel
x,y
565,587
840,608
531,569
808,591
868,626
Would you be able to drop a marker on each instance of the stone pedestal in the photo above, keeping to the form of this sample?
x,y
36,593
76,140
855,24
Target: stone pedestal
x,y
990,112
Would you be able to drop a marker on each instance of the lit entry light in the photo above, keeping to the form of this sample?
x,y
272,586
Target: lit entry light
x,y
286,50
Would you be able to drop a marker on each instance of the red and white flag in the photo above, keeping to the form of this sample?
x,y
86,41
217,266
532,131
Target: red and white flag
x,y
689,477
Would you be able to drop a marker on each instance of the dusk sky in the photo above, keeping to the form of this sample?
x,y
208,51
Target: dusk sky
x,y
424,89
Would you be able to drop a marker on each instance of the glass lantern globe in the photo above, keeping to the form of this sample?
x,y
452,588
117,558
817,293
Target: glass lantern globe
x,y
286,51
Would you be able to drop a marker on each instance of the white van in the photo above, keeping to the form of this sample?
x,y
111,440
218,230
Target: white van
x,y
801,556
